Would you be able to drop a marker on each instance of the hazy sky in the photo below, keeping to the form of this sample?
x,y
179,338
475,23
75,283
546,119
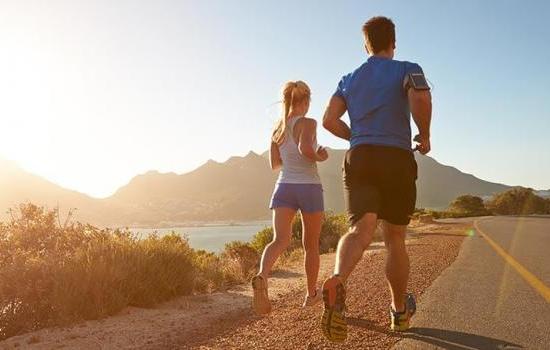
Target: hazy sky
x,y
95,92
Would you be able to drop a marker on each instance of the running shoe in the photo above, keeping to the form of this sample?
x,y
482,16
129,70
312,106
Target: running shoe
x,y
333,321
313,300
400,321
260,300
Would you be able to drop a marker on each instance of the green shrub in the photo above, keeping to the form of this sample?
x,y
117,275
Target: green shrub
x,y
240,261
517,201
467,205
334,226
462,206
209,272
261,239
52,274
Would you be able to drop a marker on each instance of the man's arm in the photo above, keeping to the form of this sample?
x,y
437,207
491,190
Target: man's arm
x,y
332,119
420,103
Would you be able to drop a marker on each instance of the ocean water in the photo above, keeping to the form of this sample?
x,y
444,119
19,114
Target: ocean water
x,y
211,237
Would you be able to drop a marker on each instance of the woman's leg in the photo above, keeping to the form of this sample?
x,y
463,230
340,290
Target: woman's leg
x,y
311,224
282,232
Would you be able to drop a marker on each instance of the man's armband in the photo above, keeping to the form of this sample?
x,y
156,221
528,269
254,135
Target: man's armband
x,y
416,81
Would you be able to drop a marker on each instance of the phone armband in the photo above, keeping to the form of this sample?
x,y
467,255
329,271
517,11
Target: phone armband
x,y
416,81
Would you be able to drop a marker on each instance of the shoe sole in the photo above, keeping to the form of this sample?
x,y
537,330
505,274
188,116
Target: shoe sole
x,y
333,321
260,300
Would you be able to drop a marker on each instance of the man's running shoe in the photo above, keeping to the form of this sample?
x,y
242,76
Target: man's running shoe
x,y
400,321
260,300
333,321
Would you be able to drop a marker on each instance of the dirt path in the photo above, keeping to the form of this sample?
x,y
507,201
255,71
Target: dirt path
x,y
224,320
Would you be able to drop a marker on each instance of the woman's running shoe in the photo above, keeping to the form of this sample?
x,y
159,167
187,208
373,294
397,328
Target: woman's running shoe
x,y
313,300
260,300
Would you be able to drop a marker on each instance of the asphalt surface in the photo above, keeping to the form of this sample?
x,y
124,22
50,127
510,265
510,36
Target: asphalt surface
x,y
481,301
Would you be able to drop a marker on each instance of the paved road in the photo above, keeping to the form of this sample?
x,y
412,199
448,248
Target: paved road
x,y
481,301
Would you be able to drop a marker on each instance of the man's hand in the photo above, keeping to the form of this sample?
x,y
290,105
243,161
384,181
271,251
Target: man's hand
x,y
423,143
420,102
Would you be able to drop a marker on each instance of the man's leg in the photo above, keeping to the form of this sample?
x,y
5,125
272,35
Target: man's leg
x,y
362,197
397,263
349,252
352,245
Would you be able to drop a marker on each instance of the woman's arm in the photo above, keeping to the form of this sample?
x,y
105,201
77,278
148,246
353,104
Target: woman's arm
x,y
307,141
275,156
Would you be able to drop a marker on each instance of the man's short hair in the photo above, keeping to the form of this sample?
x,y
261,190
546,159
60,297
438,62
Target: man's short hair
x,y
379,34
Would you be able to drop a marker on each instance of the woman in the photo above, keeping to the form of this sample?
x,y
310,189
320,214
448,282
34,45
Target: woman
x,y
294,149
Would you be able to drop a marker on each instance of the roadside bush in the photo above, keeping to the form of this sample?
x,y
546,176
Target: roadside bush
x,y
261,239
210,274
463,206
334,226
240,261
517,201
52,274
468,205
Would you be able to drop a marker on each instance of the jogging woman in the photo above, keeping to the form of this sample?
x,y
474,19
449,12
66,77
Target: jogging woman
x,y
295,152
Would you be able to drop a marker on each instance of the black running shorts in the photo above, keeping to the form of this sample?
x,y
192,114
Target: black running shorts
x,y
381,180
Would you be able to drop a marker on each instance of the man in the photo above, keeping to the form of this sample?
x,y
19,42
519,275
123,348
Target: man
x,y
379,168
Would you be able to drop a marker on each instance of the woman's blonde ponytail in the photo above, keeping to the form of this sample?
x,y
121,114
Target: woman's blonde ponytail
x,y
294,92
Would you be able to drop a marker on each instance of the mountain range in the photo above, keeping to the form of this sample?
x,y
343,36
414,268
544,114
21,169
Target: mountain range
x,y
234,190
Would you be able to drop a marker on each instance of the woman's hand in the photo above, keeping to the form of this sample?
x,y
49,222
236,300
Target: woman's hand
x,y
322,154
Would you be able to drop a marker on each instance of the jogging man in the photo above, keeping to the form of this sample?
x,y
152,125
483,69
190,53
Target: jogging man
x,y
379,169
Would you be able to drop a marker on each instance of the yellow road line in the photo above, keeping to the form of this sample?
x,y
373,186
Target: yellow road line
x,y
537,284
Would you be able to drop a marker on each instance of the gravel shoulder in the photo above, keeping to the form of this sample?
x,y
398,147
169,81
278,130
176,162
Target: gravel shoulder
x,y
225,321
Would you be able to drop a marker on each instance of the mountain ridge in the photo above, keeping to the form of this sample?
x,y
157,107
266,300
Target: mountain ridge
x,y
237,189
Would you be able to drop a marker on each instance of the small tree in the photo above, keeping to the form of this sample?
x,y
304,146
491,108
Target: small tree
x,y
468,205
517,201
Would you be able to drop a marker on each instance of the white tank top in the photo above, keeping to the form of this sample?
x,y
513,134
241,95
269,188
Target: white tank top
x,y
296,169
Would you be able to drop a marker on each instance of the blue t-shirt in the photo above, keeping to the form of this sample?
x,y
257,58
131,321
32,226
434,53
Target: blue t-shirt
x,y
377,103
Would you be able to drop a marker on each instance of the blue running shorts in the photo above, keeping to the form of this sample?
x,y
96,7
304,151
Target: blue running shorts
x,y
308,198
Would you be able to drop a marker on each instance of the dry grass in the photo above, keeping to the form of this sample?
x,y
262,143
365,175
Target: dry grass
x,y
53,273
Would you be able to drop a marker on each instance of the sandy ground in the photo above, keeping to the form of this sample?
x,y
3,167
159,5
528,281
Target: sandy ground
x,y
225,321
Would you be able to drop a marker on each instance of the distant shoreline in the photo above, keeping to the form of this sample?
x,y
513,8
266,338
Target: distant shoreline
x,y
163,226
210,236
